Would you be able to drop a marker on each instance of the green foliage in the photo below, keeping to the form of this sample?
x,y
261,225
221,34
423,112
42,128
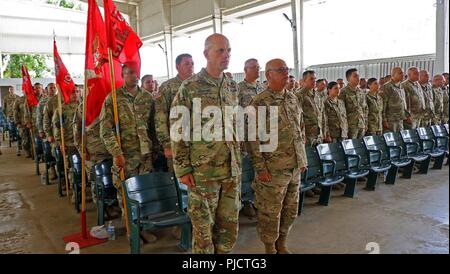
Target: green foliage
x,y
36,64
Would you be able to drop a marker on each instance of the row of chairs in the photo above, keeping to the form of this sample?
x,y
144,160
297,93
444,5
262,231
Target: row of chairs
x,y
105,190
156,200
329,164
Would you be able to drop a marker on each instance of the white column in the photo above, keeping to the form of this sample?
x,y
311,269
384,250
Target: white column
x,y
217,16
296,34
168,36
442,29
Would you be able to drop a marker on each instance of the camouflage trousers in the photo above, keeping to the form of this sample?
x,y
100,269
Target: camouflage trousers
x,y
394,126
426,122
313,140
25,140
416,122
277,204
214,211
356,133
134,165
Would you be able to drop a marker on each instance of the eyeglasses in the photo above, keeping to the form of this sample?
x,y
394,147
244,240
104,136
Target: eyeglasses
x,y
281,70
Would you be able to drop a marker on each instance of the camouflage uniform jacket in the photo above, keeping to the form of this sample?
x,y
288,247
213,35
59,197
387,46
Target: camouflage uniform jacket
x,y
134,123
394,103
290,152
355,106
163,103
207,160
247,91
415,100
336,116
375,117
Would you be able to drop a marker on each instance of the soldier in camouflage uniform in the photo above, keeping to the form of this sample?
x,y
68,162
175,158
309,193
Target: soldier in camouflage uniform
x,y
312,108
278,172
134,105
148,84
30,119
337,127
375,107
49,109
8,104
415,99
51,90
19,119
248,89
355,105
438,96
427,91
210,168
394,103
321,90
445,89
167,91
68,113
95,150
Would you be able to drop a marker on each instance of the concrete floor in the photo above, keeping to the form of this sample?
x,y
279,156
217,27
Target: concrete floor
x,y
411,216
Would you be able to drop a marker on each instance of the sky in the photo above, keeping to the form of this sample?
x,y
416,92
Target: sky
x,y
334,31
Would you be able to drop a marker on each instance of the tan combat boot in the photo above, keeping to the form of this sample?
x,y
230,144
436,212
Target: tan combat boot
x,y
281,245
270,248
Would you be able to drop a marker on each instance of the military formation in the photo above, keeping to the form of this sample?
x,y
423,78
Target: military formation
x,y
310,112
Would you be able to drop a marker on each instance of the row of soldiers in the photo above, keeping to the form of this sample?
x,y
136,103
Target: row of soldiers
x,y
316,112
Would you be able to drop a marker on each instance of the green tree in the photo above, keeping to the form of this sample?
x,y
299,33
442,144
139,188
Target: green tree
x,y
65,4
36,64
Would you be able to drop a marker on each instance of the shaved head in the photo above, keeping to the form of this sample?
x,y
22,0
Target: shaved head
x,y
215,39
413,74
277,74
397,74
217,53
274,64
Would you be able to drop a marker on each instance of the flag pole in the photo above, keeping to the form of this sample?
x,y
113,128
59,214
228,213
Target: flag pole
x,y
63,147
116,122
83,162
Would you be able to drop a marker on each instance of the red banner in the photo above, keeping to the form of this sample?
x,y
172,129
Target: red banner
x,y
122,40
27,88
96,64
63,79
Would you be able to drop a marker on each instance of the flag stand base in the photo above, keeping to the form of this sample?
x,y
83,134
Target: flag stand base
x,y
83,239
83,242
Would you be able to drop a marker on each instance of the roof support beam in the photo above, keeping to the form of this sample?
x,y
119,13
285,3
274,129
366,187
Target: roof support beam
x,y
217,16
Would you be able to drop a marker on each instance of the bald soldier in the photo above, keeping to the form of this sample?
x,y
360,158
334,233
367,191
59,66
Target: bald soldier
x,y
394,103
415,99
355,105
209,167
167,91
278,170
424,82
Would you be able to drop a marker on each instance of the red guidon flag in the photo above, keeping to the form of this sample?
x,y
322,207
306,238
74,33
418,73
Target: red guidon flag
x,y
27,88
63,79
96,64
122,40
